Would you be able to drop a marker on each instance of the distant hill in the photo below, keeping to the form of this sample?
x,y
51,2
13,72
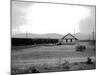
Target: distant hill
x,y
84,36
80,36
29,35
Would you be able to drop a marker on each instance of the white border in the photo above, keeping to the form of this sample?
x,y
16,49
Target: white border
x,y
5,37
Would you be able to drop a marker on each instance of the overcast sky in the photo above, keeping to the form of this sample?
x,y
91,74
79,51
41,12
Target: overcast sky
x,y
42,18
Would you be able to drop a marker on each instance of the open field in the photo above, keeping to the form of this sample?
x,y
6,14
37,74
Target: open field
x,y
51,58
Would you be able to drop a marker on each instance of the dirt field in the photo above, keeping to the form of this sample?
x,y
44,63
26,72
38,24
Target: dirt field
x,y
52,58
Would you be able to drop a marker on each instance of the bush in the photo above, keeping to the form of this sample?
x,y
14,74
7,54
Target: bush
x,y
89,61
46,67
80,48
32,70
59,43
15,71
65,65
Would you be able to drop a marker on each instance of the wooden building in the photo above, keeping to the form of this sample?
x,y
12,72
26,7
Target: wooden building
x,y
68,39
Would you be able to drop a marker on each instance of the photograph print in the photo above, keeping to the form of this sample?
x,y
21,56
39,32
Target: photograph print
x,y
52,37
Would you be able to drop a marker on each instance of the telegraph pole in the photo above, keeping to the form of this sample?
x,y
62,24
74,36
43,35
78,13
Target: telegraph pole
x,y
93,34
74,30
26,34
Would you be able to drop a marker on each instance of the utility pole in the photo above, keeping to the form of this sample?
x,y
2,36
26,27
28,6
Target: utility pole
x,y
74,30
26,34
89,36
93,34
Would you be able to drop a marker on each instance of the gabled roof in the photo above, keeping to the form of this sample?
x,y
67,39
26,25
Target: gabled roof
x,y
70,35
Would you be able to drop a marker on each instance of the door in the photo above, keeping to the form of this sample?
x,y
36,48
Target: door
x,y
66,40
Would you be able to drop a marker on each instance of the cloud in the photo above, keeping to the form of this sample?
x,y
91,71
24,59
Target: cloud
x,y
19,11
87,25
51,18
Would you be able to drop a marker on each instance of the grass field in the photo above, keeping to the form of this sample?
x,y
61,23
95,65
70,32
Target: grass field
x,y
51,58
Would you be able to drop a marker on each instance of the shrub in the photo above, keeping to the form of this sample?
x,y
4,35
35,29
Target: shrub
x,y
80,48
92,42
46,67
65,65
76,63
59,43
32,70
15,71
89,61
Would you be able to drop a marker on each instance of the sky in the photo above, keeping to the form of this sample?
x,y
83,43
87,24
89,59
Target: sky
x,y
43,18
